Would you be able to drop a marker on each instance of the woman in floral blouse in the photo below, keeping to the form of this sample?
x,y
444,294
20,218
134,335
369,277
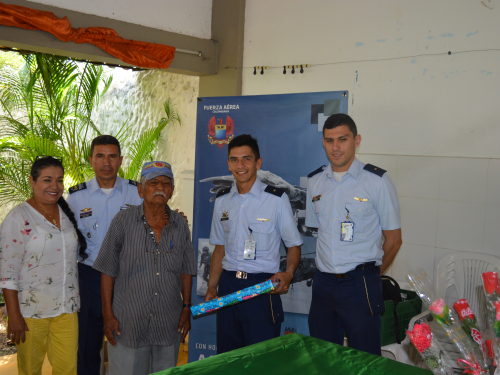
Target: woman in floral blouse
x,y
38,273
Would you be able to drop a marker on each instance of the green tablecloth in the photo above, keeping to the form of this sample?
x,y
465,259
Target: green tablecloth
x,y
296,354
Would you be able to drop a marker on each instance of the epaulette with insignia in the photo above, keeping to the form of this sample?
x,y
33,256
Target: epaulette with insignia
x,y
319,170
132,182
274,190
375,170
223,192
78,187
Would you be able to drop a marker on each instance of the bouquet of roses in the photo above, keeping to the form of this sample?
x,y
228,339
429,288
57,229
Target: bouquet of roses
x,y
429,348
492,294
469,325
445,318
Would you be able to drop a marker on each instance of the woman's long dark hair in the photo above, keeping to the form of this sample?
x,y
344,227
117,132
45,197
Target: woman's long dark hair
x,y
36,169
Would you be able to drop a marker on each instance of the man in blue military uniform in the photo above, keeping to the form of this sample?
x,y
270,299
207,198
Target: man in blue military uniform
x,y
95,204
355,207
249,221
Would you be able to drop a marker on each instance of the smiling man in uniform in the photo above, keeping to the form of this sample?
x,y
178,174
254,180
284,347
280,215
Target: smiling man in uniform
x,y
356,210
249,221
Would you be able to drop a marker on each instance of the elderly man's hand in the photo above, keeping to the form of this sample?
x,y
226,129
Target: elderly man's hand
x,y
111,324
184,322
285,280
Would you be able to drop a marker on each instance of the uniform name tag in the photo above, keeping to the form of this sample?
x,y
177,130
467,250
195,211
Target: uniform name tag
x,y
225,216
85,214
347,231
249,250
316,198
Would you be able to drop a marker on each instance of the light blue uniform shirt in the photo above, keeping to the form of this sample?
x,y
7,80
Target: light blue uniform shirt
x,y
94,210
270,218
331,198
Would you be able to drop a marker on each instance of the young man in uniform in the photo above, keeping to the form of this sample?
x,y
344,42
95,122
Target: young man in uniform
x,y
355,207
95,203
249,221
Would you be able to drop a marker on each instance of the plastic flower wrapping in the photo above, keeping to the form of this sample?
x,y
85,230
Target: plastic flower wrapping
x,y
236,297
429,348
472,358
491,289
470,326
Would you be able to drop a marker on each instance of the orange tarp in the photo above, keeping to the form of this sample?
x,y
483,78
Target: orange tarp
x,y
143,54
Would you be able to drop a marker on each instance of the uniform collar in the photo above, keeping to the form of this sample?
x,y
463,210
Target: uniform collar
x,y
256,189
353,170
94,185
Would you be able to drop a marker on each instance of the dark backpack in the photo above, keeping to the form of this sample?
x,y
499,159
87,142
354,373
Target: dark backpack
x,y
392,292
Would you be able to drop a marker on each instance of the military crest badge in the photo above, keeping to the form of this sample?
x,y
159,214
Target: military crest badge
x,y
220,134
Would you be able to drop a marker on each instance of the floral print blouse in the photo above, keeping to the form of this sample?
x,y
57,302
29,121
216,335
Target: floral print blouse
x,y
40,261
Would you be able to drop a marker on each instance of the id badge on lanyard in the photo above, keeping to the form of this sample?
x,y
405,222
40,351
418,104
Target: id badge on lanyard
x,y
249,250
347,229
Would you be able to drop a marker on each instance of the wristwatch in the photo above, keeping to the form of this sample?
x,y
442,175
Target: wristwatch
x,y
188,305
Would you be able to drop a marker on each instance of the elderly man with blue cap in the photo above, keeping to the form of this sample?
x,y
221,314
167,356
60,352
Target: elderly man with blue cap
x,y
146,262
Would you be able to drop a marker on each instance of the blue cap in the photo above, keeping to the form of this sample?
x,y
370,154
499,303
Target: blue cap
x,y
154,169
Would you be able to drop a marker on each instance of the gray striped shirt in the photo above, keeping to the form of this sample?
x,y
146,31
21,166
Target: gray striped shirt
x,y
146,300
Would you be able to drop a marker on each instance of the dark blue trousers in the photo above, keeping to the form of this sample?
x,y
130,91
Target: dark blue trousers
x,y
349,305
247,322
90,323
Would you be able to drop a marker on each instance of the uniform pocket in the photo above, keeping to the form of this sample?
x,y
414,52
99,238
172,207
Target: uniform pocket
x,y
369,288
261,232
363,215
273,308
226,224
88,230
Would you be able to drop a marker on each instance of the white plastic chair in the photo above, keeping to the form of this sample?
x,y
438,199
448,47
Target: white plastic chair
x,y
458,276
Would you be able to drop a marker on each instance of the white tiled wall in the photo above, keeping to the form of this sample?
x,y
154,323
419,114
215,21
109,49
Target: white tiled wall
x,y
447,205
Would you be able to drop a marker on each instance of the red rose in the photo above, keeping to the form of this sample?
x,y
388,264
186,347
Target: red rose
x,y
490,281
421,336
463,310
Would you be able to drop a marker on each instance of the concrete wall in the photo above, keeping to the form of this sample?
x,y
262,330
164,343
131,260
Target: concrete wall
x,y
430,118
188,17
138,97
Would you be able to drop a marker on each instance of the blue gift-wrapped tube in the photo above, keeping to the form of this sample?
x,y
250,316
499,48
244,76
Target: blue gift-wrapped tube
x,y
236,297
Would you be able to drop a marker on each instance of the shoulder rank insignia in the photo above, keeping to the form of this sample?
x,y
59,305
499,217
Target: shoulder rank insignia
x,y
274,191
375,170
78,187
319,170
132,182
223,192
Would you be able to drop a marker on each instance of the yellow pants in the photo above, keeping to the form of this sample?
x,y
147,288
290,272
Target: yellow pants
x,y
57,337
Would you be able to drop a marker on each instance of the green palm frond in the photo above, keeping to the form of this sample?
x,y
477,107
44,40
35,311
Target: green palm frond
x,y
142,149
14,181
46,108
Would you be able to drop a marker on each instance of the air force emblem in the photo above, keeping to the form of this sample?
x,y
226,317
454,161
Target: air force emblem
x,y
220,134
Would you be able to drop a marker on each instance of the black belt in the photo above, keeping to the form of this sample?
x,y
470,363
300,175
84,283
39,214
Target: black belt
x,y
247,275
359,266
